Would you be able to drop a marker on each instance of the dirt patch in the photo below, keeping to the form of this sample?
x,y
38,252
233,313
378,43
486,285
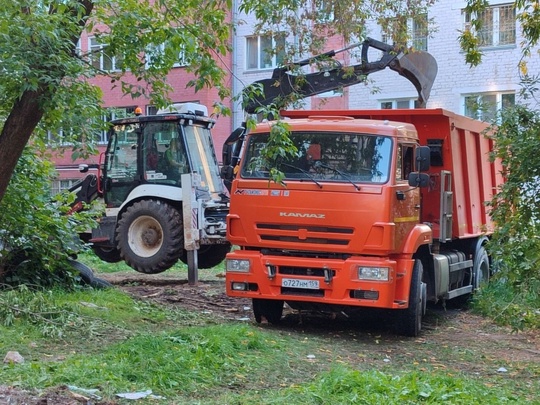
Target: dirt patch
x,y
443,327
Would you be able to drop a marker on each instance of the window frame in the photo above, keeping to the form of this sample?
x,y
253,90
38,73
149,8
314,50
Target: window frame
x,y
276,58
481,114
182,62
413,28
100,49
496,31
413,103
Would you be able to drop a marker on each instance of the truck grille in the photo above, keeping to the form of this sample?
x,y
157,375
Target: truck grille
x,y
323,235
303,271
302,292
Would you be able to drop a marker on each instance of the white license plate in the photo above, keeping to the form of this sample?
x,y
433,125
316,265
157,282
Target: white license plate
x,y
298,283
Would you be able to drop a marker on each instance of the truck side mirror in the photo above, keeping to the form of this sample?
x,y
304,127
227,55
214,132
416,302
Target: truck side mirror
x,y
417,179
83,168
422,158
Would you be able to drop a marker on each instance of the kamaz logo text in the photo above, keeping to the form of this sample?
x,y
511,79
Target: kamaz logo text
x,y
301,215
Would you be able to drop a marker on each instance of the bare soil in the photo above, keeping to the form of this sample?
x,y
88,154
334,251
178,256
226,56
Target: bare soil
x,y
454,340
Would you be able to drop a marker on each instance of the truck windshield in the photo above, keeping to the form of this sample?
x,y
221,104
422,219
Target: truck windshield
x,y
325,156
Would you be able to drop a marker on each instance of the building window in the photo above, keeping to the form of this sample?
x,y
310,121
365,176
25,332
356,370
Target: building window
x,y
324,11
100,59
155,55
113,114
265,52
485,106
418,27
497,25
417,31
58,186
406,103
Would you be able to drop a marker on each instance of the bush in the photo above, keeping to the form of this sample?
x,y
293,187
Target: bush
x,y
36,236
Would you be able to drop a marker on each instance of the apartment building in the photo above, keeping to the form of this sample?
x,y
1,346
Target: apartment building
x,y
474,91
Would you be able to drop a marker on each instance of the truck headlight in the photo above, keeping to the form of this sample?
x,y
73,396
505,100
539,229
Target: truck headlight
x,y
240,265
373,273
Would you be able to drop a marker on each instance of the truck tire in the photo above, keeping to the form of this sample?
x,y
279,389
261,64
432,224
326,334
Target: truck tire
x,y
209,255
481,268
109,255
410,319
150,236
272,310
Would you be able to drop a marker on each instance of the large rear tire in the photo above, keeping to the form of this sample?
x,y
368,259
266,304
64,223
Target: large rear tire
x,y
410,319
209,255
481,268
150,236
109,255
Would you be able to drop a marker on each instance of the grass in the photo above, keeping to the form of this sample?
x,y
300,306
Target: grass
x,y
106,340
213,364
178,269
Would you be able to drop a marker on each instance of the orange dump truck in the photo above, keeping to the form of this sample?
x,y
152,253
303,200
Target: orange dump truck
x,y
377,209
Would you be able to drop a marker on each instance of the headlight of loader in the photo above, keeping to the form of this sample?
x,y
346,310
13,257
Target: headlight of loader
x,y
373,273
239,265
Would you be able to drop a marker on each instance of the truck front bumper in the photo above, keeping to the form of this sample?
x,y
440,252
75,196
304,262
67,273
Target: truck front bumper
x,y
360,281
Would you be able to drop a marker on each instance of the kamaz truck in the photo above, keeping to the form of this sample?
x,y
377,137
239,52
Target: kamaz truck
x,y
376,209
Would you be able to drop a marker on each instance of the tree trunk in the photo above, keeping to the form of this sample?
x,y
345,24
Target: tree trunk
x,y
21,122
27,110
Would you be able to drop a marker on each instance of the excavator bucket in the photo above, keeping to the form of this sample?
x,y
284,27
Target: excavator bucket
x,y
420,68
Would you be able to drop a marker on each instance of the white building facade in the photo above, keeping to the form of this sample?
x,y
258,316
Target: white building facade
x,y
474,91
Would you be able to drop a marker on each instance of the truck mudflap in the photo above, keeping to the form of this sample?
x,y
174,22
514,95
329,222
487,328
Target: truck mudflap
x,y
356,281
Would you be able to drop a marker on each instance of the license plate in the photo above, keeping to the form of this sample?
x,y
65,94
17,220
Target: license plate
x,y
298,283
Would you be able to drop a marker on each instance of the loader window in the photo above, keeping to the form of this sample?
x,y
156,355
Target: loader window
x,y
325,156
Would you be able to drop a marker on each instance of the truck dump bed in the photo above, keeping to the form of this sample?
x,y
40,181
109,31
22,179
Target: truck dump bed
x,y
462,179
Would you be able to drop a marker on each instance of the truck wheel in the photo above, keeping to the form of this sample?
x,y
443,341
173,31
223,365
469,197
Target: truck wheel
x,y
209,255
480,268
272,310
150,236
107,254
410,319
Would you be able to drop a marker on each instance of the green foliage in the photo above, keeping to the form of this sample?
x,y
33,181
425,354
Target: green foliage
x,y
37,237
313,22
345,386
510,305
515,208
39,309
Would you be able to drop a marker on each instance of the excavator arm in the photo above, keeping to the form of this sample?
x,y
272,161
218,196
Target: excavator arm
x,y
419,67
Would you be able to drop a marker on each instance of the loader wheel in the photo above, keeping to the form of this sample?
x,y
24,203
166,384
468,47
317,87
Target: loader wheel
x,y
209,255
410,320
150,236
107,254
480,268
272,310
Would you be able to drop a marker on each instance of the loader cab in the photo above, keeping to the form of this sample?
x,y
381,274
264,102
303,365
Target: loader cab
x,y
157,150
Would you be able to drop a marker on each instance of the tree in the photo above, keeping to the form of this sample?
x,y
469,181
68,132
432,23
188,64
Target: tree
x,y
43,84
43,77
515,207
